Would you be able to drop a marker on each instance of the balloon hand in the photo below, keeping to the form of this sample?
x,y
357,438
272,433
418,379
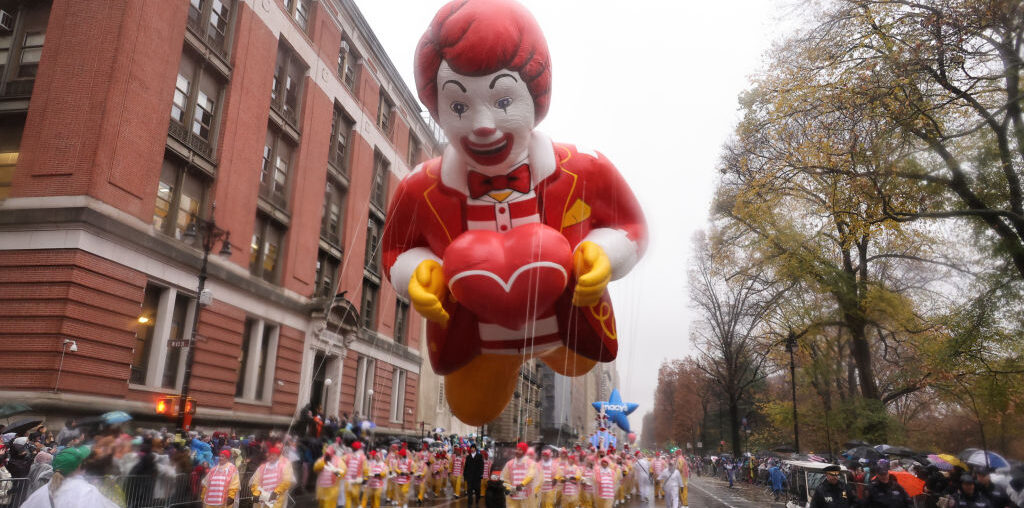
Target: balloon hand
x,y
426,291
593,272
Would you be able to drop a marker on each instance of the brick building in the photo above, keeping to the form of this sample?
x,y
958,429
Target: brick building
x,y
284,122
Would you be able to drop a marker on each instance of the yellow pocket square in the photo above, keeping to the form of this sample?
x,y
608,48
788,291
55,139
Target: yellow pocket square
x,y
577,213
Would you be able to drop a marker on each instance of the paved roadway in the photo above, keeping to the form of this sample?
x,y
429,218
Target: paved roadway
x,y
705,492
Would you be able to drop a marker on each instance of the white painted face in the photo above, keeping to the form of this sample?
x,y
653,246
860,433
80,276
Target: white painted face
x,y
488,119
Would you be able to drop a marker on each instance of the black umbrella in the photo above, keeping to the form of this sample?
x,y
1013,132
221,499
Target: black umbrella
x,y
853,443
901,451
21,425
784,449
13,408
863,452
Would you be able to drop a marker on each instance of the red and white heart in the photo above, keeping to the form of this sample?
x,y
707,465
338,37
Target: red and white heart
x,y
510,278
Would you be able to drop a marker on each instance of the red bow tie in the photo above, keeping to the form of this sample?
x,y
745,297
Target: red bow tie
x,y
518,180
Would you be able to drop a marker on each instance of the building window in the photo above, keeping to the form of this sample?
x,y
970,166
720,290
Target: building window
x,y
194,106
371,259
442,402
210,20
398,396
368,310
332,225
347,59
299,11
265,250
21,47
401,320
384,111
256,361
414,149
164,323
179,197
276,167
11,127
287,88
379,190
365,372
341,129
326,273
31,52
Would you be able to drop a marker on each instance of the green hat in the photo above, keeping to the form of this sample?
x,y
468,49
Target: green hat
x,y
68,460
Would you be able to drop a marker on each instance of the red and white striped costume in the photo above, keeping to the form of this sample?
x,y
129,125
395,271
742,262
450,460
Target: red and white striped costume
x,y
403,470
217,482
604,480
588,479
658,466
327,477
487,468
548,470
457,464
519,470
354,466
571,487
374,468
438,468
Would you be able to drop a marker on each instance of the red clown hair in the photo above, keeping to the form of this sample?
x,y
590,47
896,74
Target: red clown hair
x,y
480,37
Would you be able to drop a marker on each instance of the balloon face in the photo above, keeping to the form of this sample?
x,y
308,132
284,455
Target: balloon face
x,y
508,278
487,119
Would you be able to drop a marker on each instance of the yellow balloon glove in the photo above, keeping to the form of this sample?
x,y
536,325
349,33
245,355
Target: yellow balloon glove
x,y
427,289
593,272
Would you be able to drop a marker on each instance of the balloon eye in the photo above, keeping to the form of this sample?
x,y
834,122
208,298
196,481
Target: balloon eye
x,y
459,108
503,103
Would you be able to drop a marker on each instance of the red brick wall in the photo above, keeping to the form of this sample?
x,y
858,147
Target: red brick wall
x,y
48,296
112,72
289,364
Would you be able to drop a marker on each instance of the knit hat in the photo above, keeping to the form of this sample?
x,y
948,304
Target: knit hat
x,y
68,460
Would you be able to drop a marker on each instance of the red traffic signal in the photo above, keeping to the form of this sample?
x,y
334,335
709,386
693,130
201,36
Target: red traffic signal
x,y
170,404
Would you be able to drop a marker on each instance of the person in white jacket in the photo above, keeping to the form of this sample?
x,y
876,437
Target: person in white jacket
x,y
644,479
68,488
671,482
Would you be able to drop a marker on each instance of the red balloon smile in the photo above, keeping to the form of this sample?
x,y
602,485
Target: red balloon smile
x,y
488,154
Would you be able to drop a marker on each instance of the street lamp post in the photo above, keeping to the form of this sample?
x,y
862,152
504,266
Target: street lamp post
x,y
790,347
207,232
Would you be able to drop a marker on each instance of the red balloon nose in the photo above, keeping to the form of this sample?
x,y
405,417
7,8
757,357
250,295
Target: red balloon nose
x,y
484,132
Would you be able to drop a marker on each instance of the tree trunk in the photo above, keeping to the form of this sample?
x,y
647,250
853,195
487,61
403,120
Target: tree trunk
x,y
734,426
861,351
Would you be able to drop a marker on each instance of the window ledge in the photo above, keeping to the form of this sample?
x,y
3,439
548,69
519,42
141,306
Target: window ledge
x,y
253,402
155,389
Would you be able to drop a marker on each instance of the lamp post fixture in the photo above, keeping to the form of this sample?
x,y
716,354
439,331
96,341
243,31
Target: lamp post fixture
x,y
209,234
790,347
63,350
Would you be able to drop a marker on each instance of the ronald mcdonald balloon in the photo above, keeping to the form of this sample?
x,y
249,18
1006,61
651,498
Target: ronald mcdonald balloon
x,y
506,242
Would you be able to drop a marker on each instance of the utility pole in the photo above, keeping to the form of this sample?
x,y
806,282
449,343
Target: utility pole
x,y
791,345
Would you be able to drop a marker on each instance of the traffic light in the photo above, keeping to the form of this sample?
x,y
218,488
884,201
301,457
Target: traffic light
x,y
168,405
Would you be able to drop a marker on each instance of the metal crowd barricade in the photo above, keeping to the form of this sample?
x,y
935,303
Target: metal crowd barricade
x,y
13,491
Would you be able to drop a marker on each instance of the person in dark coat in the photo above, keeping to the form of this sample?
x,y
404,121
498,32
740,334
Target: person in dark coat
x,y
831,493
995,494
886,492
969,496
473,471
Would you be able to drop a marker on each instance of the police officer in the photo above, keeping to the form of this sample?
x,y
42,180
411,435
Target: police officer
x,y
886,492
832,493
995,494
969,496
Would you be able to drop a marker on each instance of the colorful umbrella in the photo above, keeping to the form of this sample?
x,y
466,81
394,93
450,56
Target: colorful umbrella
x,y
910,483
953,461
986,459
939,462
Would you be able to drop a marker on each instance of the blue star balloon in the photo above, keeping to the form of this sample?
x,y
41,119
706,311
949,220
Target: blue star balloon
x,y
616,409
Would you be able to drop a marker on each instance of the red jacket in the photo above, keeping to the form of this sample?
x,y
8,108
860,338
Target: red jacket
x,y
580,194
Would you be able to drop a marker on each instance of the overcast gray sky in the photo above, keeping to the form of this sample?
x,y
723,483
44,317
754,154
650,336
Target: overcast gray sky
x,y
653,85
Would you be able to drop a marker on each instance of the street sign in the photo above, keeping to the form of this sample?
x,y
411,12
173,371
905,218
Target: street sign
x,y
689,445
700,444
177,343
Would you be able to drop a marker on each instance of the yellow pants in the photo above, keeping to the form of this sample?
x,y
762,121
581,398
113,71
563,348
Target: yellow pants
x,y
547,499
421,489
658,491
684,494
600,502
401,493
352,494
570,501
586,499
373,495
327,497
457,484
483,487
517,503
439,485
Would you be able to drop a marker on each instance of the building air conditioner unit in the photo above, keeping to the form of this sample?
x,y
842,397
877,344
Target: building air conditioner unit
x,y
344,46
206,297
6,21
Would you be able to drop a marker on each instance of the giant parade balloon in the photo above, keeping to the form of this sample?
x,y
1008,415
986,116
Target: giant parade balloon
x,y
507,241
616,410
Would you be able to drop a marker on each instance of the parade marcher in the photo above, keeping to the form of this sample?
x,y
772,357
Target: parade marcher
x,y
886,492
376,473
518,475
644,479
587,483
420,475
391,462
658,466
220,486
969,495
458,467
671,482
68,487
439,473
571,475
329,470
995,494
473,472
549,478
684,472
355,470
605,482
402,472
488,465
831,493
271,481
